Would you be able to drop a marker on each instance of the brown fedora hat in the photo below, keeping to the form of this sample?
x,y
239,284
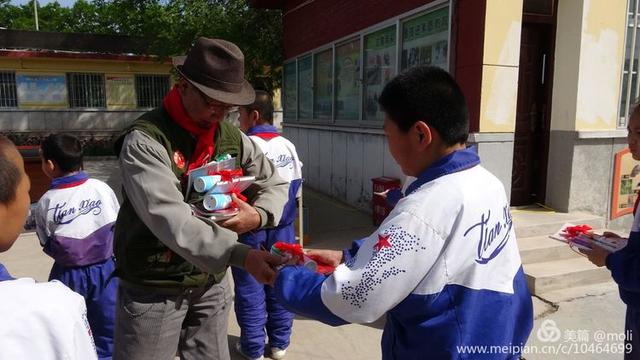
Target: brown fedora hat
x,y
216,67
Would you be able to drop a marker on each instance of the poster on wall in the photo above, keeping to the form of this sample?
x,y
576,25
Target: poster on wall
x,y
121,91
626,184
425,40
289,94
41,90
323,81
305,88
348,81
379,68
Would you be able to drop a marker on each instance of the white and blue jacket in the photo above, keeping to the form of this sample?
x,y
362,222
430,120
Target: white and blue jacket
x,y
282,153
625,266
444,267
75,219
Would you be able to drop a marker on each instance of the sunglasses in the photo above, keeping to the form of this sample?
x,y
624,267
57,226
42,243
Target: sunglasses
x,y
210,103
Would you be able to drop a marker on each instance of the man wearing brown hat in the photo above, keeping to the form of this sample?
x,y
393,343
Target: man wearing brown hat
x,y
174,295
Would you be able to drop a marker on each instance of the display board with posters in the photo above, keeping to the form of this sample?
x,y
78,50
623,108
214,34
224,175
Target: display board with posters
x,y
290,100
41,90
323,85
121,91
379,68
305,88
348,81
425,40
626,183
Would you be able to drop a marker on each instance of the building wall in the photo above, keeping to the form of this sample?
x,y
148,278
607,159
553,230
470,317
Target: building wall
x,y
342,163
120,95
484,58
584,135
305,23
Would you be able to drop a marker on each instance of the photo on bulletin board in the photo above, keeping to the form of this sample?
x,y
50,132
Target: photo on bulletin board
x,y
626,184
41,89
121,91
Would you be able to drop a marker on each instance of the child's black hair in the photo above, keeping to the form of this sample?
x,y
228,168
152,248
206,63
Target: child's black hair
x,y
64,150
9,173
429,94
264,105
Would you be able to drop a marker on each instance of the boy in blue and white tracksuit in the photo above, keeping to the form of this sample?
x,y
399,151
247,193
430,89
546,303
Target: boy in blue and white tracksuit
x,y
255,304
74,222
444,266
624,264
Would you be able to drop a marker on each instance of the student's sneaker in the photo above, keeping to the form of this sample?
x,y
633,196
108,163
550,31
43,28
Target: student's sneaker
x,y
277,353
239,350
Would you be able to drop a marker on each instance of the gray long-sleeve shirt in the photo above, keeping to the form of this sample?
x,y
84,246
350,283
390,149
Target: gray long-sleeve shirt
x,y
152,189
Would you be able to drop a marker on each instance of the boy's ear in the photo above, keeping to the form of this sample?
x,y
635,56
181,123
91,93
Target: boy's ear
x,y
423,134
51,166
255,117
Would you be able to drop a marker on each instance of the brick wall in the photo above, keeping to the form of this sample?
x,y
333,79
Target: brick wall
x,y
323,21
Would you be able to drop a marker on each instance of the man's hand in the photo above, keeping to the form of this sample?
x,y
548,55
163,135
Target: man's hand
x,y
247,218
597,255
329,257
260,264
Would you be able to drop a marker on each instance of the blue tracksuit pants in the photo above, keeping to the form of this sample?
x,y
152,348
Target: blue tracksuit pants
x,y
256,307
99,289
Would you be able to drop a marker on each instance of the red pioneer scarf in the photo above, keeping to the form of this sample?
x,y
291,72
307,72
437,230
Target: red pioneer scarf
x,y
204,147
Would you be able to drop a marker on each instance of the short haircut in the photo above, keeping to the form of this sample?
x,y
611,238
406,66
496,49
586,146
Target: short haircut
x,y
10,175
263,105
429,94
63,149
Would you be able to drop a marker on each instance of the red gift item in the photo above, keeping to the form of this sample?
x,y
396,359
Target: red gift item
x,y
323,268
229,175
573,231
295,250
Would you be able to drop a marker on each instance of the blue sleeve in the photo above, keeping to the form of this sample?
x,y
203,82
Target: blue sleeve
x,y
625,264
298,290
348,254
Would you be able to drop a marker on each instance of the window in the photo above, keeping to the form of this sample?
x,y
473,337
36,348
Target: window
x,y
340,83
86,90
305,88
290,94
151,89
348,81
425,40
8,98
379,68
630,90
323,85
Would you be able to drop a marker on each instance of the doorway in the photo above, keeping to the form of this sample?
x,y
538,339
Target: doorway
x,y
531,138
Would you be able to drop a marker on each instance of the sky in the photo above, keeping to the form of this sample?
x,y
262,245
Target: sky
x,y
66,3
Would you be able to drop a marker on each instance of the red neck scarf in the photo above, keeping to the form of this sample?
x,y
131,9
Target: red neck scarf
x,y
204,147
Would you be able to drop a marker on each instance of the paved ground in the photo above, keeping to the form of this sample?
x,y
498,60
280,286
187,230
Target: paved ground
x,y
334,225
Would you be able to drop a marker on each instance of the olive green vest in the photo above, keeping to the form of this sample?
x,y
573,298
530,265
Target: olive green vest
x,y
140,257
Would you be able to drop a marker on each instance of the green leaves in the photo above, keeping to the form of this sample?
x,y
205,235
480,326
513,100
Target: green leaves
x,y
170,26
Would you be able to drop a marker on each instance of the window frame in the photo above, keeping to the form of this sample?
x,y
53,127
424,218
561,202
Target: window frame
x,y
358,120
634,58
396,21
69,92
152,75
284,90
12,90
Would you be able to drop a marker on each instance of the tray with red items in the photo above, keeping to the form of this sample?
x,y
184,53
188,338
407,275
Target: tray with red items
x,y
583,237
